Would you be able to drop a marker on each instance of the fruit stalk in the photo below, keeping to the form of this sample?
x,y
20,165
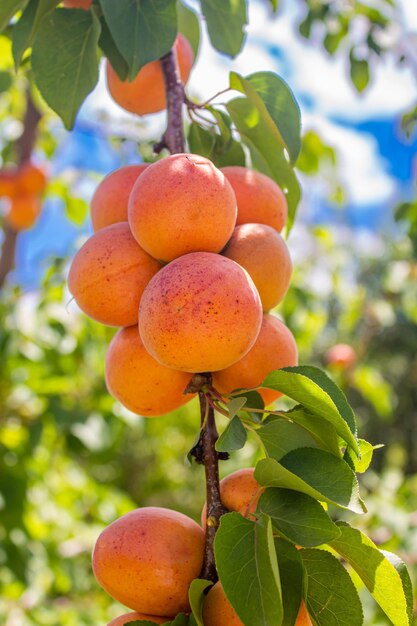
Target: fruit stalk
x,y
173,139
24,147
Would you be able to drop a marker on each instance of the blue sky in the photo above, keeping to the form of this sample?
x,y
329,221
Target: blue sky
x,y
375,160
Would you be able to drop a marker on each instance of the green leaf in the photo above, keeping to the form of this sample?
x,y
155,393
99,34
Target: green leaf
x,y
247,566
319,394
266,150
6,81
379,575
143,30
7,9
235,405
279,436
64,60
402,570
276,104
111,51
232,154
200,140
28,25
196,597
315,473
189,26
332,599
291,573
298,517
321,430
366,453
253,401
359,72
226,21
233,437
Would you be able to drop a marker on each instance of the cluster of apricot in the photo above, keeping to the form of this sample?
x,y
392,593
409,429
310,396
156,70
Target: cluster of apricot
x,y
22,187
148,558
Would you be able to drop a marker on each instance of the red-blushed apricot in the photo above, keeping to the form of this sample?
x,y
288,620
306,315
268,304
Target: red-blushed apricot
x,y
148,558
217,610
146,92
110,199
77,4
108,275
23,212
182,204
199,313
239,492
303,618
259,199
8,182
139,382
274,348
342,356
31,180
132,617
265,256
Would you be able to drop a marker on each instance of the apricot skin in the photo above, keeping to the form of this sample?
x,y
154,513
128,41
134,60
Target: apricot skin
x,y
23,212
77,4
239,492
108,275
217,610
199,313
341,356
31,180
182,204
131,617
259,199
8,182
264,255
275,348
110,199
148,558
139,382
146,92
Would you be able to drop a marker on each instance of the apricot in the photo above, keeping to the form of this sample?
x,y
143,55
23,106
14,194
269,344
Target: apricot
x,y
31,180
8,182
200,313
217,610
110,199
259,199
108,275
274,348
132,617
342,356
146,92
264,255
77,4
239,492
182,204
139,382
148,558
23,212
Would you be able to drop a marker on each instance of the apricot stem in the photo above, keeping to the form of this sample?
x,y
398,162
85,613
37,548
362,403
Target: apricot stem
x,y
173,138
24,147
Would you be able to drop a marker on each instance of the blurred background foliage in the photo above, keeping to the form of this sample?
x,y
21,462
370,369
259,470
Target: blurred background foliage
x,y
72,460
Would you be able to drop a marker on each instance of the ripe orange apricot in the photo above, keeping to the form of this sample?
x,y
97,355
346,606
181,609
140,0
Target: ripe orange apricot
x,y
148,558
8,182
132,617
31,179
274,348
265,256
77,4
110,199
108,275
146,92
199,313
139,382
239,492
217,610
182,204
342,356
303,618
23,212
259,199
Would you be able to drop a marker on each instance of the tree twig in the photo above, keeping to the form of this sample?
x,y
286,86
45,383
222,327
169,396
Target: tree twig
x,y
173,138
24,147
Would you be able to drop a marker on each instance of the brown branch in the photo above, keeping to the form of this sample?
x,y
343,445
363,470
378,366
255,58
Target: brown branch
x,y
24,147
205,451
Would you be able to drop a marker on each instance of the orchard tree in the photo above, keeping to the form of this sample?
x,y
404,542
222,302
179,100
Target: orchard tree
x,y
187,258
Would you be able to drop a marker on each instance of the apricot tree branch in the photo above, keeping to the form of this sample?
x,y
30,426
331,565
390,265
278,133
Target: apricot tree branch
x,y
24,147
173,138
